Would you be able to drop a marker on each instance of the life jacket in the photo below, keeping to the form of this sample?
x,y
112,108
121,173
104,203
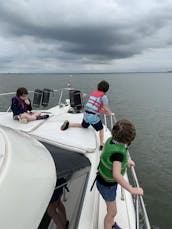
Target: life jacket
x,y
105,168
94,102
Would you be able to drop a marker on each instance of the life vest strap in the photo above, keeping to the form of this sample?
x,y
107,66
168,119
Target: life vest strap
x,y
94,182
90,112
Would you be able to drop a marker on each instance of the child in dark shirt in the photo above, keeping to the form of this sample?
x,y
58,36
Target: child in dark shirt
x,y
22,108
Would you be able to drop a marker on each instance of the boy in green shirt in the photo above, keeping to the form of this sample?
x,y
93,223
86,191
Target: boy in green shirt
x,y
112,166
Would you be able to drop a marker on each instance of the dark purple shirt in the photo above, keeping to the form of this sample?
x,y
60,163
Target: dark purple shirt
x,y
18,106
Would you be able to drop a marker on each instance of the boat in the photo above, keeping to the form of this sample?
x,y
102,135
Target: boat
x,y
34,156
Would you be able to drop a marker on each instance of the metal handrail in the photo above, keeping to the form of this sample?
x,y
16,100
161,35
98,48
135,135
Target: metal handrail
x,y
61,90
53,90
141,202
139,198
60,96
11,93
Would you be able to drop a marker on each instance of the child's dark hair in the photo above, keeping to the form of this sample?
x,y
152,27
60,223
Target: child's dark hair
x,y
103,86
21,91
123,131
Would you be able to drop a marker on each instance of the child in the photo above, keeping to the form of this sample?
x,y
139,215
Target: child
x,y
112,166
21,107
97,103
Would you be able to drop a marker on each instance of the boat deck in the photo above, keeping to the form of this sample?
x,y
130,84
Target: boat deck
x,y
84,141
79,139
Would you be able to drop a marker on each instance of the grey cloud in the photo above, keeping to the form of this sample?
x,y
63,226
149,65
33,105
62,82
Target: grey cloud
x,y
99,42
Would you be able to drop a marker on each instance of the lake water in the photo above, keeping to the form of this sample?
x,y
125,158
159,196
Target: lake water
x,y
146,100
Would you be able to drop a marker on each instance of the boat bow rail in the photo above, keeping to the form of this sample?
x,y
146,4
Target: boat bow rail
x,y
46,98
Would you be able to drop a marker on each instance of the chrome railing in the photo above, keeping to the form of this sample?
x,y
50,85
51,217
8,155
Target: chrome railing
x,y
61,93
140,204
58,94
140,210
12,94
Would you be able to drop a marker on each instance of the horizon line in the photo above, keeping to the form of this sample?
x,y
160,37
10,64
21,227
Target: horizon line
x,y
66,73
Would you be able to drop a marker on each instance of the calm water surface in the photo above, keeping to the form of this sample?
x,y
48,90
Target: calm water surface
x,y
146,99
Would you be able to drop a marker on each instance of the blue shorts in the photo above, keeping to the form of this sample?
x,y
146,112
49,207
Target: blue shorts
x,y
97,126
107,192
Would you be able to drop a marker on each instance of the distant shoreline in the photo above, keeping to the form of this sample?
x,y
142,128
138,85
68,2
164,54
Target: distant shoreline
x,y
77,73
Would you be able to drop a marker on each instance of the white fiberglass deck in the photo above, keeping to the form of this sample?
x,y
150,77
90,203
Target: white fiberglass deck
x,y
83,140
125,217
6,119
80,139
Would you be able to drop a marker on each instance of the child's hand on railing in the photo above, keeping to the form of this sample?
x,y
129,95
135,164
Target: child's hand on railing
x,y
109,113
137,191
131,163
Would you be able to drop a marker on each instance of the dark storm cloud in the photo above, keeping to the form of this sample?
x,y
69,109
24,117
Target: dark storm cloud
x,y
102,40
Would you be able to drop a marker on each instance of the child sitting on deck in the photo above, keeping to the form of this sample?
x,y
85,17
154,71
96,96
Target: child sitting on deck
x,y
97,103
112,167
21,107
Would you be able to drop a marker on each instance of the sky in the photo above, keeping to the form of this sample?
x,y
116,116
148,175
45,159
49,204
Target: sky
x,y
74,36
